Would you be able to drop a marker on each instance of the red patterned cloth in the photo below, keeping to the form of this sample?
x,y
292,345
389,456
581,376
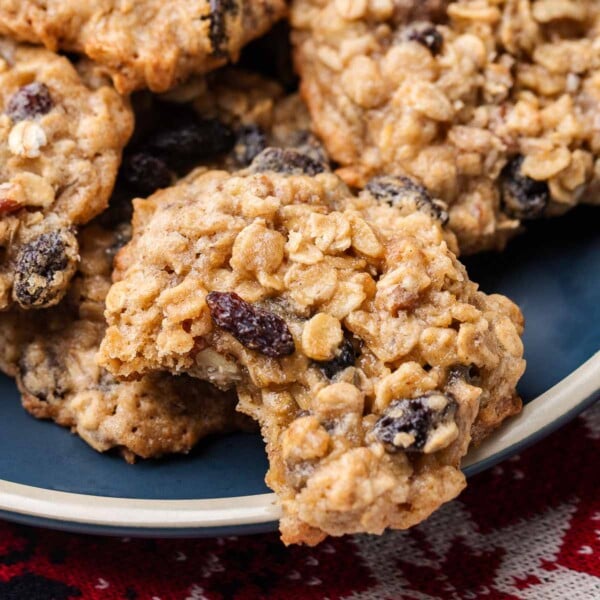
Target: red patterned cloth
x,y
528,529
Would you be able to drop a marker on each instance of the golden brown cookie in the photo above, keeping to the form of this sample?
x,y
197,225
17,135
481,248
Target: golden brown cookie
x,y
146,43
60,147
491,105
52,355
346,324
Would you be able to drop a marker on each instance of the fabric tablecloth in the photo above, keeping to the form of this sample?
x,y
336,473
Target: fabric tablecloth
x,y
527,529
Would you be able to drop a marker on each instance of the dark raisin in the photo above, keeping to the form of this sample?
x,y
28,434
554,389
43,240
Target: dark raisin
x,y
220,11
44,266
250,142
145,174
288,161
408,195
522,196
253,327
186,142
305,142
427,36
30,101
430,10
345,357
409,424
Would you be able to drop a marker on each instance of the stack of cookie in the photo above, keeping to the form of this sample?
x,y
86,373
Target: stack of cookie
x,y
186,247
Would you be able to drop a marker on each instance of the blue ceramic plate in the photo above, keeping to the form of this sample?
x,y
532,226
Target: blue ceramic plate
x,y
50,477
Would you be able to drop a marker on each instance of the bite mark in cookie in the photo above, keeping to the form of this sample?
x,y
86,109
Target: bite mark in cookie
x,y
51,354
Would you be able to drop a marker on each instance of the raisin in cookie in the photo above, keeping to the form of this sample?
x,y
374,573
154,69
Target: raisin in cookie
x,y
221,120
346,324
60,147
146,43
259,113
492,105
51,353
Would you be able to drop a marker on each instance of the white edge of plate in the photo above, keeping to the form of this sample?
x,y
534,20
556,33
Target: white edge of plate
x,y
28,501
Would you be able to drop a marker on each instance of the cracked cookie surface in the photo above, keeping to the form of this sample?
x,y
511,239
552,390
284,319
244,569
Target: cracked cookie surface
x,y
492,105
146,43
60,147
347,326
52,356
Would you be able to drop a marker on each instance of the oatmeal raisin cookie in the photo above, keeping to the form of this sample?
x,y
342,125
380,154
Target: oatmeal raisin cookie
x,y
346,324
60,147
52,355
146,43
493,105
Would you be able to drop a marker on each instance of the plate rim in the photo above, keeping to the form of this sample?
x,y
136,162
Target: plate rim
x,y
259,512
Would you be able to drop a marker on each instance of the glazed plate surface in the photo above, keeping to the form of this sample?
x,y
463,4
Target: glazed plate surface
x,y
50,477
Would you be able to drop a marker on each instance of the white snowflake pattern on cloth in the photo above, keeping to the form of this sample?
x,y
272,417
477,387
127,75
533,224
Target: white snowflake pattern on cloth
x,y
211,565
196,593
527,547
526,552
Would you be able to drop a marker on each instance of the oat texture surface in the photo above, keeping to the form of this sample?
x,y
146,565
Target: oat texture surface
x,y
60,147
492,105
143,43
52,356
345,323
